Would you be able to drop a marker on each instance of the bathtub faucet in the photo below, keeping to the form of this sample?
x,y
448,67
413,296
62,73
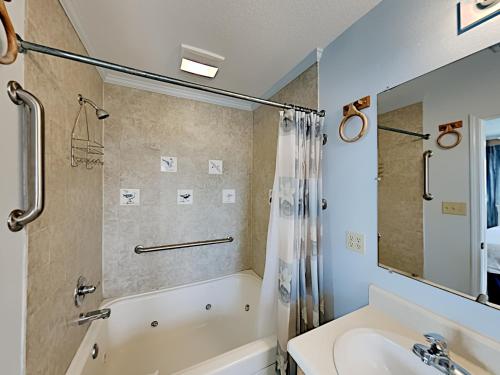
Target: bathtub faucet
x,y
93,315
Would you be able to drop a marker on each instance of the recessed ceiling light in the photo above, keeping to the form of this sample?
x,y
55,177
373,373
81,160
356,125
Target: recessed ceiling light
x,y
197,68
200,61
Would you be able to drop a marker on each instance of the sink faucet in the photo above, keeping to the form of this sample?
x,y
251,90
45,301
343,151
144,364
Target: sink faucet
x,y
437,355
94,315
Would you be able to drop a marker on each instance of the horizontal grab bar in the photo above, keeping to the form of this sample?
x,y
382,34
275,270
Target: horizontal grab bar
x,y
139,249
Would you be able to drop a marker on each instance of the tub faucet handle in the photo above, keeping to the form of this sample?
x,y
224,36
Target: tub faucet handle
x,y
86,289
81,290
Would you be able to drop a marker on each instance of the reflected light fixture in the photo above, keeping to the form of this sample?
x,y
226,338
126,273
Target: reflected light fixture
x,y
199,61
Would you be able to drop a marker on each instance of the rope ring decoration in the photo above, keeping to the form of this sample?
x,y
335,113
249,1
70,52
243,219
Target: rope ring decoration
x,y
12,48
351,112
447,129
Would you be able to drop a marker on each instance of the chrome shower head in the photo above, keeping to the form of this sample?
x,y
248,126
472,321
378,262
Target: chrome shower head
x,y
100,113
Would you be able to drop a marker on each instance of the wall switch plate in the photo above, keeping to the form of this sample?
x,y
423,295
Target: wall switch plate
x,y
454,208
215,167
355,242
130,197
228,196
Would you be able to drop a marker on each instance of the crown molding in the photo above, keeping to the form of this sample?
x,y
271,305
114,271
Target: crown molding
x,y
180,92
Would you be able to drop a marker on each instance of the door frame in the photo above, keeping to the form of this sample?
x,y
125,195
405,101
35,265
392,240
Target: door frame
x,y
479,259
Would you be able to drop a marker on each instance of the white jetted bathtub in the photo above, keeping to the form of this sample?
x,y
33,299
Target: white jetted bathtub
x,y
206,328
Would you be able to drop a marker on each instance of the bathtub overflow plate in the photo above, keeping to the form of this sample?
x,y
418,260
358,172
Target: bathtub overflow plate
x,y
154,323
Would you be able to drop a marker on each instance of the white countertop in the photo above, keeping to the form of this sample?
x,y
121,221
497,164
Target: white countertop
x,y
313,351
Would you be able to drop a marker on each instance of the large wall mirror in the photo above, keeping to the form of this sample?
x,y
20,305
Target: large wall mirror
x,y
439,204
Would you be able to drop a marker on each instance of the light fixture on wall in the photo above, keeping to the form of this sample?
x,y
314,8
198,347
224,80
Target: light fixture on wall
x,y
199,61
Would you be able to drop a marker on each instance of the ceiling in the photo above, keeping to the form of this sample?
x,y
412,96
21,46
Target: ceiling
x,y
262,40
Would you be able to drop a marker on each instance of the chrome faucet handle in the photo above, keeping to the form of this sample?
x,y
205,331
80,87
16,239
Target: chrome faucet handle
x,y
81,290
439,345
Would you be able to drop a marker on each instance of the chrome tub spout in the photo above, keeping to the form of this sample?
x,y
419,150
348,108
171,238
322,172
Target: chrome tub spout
x,y
93,315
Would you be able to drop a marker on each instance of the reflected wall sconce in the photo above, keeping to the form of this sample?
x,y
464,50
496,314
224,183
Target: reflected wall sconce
x,y
354,110
449,129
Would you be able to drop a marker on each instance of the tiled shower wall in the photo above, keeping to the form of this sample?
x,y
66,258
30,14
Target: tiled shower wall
x,y
144,127
65,241
401,208
302,91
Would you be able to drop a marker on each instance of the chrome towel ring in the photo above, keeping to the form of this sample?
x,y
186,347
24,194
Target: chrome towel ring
x,y
450,128
353,110
12,48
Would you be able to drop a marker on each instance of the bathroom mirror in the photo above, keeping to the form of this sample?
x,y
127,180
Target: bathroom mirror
x,y
439,177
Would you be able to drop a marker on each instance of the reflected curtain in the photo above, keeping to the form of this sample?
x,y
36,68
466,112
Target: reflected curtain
x,y
294,237
492,184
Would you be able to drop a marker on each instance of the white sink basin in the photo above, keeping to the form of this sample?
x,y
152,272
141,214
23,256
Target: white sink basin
x,y
364,351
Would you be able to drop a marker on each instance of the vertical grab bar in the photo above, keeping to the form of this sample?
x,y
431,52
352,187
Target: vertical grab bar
x,y
427,195
35,135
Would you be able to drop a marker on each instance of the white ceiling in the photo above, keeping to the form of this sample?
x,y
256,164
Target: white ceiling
x,y
262,40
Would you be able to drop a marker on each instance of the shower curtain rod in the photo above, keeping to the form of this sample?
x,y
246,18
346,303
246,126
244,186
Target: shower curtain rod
x,y
406,132
25,46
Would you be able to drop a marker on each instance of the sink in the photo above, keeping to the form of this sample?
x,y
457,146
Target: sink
x,y
364,351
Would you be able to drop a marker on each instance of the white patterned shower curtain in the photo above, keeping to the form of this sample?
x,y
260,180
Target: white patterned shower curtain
x,y
293,279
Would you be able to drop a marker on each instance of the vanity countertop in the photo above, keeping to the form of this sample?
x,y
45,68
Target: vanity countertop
x,y
313,351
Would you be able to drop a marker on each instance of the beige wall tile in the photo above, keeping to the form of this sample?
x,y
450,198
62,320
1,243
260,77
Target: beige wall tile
x,y
400,204
143,127
66,241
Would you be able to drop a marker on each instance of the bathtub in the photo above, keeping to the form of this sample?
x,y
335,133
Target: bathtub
x,y
205,328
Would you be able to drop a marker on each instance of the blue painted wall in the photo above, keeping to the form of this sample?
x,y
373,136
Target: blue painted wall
x,y
395,42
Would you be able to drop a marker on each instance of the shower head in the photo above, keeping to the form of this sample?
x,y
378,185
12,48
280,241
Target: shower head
x,y
100,113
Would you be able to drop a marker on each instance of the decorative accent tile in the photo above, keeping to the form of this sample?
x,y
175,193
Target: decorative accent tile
x,y
168,164
215,167
228,196
130,197
184,196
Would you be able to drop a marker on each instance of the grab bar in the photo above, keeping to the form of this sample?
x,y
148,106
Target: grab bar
x,y
141,249
35,139
427,195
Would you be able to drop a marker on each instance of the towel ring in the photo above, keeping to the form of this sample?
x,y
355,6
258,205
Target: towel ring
x,y
450,128
12,49
351,112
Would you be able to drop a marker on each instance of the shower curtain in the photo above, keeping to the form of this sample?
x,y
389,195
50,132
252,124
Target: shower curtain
x,y
293,278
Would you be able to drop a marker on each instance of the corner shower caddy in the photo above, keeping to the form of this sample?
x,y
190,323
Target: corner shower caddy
x,y
86,150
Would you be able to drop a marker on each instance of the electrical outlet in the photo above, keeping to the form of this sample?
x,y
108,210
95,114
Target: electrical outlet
x,y
355,242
